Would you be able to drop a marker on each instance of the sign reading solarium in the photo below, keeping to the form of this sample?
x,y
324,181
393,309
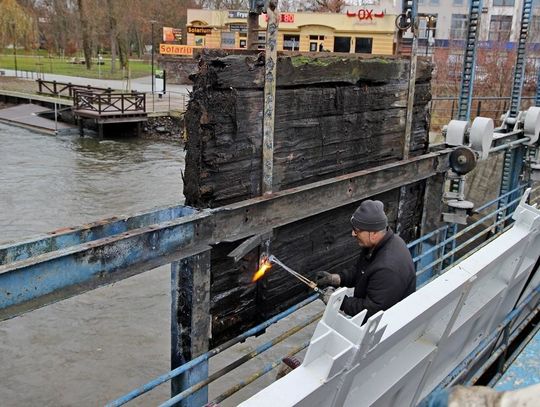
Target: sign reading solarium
x,y
172,49
199,30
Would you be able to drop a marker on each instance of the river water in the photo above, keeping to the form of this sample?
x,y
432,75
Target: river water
x,y
94,347
49,182
91,348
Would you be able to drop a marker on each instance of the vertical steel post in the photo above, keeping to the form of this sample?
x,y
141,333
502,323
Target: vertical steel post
x,y
190,323
153,74
513,159
270,68
412,81
469,60
433,207
465,96
519,69
537,99
269,113
512,169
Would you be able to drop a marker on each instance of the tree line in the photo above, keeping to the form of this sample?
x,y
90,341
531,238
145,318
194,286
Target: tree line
x,y
119,28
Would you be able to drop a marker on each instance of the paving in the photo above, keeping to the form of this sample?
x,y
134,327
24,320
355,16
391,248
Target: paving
x,y
28,115
174,99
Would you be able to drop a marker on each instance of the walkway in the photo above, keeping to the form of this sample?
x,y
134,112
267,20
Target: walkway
x,y
28,116
175,99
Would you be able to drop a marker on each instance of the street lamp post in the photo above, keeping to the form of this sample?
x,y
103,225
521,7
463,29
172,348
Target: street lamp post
x,y
152,23
153,72
14,46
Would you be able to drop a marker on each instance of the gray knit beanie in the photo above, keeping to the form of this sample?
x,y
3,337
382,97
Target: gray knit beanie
x,y
369,216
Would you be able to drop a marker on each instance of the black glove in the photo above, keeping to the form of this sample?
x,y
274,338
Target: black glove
x,y
326,293
325,279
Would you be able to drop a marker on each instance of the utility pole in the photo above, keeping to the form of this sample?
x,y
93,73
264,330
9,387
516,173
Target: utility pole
x,y
256,7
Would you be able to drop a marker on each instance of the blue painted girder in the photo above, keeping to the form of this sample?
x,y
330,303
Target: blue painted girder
x,y
85,258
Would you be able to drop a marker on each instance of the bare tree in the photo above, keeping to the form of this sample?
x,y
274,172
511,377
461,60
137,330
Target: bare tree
x,y
87,46
112,34
223,4
332,6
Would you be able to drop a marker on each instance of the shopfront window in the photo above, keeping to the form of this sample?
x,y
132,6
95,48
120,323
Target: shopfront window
x,y
363,45
342,44
291,42
316,43
199,40
228,40
241,28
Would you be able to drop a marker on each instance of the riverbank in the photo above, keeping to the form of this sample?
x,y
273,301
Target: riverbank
x,y
165,120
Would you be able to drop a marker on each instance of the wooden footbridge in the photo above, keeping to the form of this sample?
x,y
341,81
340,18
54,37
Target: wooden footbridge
x,y
101,105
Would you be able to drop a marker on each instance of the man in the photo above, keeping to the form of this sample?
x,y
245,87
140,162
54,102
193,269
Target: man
x,y
384,274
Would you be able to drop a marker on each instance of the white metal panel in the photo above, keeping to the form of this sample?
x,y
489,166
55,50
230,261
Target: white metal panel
x,y
401,355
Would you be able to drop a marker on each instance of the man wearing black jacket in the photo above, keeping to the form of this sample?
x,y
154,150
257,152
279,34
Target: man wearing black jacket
x,y
384,273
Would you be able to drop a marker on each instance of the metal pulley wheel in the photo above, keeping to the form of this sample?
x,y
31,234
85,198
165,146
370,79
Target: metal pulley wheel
x,y
403,22
455,132
481,136
462,160
531,126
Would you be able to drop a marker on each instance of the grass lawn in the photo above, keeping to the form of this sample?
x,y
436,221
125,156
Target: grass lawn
x,y
59,66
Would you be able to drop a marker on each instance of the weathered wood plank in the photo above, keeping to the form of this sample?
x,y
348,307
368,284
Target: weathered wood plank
x,y
324,242
245,72
334,116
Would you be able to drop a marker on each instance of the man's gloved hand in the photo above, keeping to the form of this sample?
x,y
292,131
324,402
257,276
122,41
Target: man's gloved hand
x,y
326,293
324,279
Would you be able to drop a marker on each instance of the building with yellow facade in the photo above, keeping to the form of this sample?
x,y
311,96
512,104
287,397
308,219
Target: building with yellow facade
x,y
367,30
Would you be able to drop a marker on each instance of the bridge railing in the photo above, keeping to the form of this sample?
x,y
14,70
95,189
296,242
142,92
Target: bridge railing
x,y
67,89
428,259
110,103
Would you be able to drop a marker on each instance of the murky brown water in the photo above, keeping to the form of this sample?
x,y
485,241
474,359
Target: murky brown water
x,y
94,347
49,182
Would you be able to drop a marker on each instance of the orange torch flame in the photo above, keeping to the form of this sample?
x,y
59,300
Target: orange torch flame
x,y
265,266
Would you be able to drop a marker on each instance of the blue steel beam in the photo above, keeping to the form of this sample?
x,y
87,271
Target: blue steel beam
x,y
31,283
66,237
51,276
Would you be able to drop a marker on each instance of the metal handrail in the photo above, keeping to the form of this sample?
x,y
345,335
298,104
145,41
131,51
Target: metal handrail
x,y
260,349
207,355
270,366
465,230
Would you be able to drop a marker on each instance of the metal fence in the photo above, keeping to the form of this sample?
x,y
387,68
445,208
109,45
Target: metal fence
x,y
429,255
170,101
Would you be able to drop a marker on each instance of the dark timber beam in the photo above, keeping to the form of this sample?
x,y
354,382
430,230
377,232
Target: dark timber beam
x,y
49,277
190,323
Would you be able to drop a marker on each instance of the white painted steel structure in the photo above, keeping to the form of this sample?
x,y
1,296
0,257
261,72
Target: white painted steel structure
x,y
399,356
